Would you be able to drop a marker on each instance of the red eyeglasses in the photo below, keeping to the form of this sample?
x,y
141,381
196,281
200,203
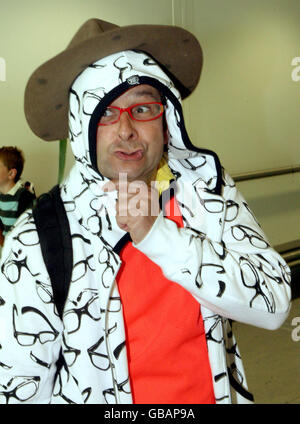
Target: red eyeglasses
x,y
141,112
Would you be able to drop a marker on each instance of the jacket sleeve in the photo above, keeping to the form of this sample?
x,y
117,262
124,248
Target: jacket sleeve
x,y
240,276
30,330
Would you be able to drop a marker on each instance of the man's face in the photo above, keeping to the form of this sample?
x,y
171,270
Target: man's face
x,y
128,146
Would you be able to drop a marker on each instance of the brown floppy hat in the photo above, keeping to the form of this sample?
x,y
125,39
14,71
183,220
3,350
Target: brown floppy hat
x,y
47,92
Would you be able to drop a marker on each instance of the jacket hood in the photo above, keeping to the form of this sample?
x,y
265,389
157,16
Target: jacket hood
x,y
105,80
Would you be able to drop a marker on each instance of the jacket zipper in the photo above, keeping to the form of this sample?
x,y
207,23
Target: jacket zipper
x,y
106,329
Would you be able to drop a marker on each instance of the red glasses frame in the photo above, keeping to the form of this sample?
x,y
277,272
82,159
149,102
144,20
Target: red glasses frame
x,y
129,111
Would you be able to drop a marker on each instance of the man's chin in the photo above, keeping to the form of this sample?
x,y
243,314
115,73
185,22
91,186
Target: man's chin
x,y
129,173
129,177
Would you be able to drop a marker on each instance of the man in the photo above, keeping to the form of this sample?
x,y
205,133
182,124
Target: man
x,y
30,187
14,199
165,250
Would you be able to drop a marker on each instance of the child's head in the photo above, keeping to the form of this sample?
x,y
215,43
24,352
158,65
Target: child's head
x,y
12,158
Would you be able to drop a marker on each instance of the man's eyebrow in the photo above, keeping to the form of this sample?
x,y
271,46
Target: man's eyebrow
x,y
149,93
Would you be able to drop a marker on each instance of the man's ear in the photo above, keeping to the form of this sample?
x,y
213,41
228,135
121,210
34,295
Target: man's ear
x,y
12,173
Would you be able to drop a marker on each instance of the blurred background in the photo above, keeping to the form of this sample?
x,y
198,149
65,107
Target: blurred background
x,y
246,108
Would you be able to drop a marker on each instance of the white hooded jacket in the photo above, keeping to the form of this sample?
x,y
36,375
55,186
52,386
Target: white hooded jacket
x,y
221,257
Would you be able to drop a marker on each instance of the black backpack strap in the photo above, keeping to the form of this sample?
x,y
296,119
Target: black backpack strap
x,y
56,244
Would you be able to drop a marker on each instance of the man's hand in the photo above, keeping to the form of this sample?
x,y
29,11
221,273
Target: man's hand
x,y
137,207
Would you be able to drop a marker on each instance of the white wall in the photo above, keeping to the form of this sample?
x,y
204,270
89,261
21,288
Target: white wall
x,y
246,106
247,103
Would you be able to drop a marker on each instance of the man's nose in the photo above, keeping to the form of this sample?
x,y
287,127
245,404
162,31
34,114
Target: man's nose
x,y
127,129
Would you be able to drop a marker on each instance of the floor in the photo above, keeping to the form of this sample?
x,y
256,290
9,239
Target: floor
x,y
272,359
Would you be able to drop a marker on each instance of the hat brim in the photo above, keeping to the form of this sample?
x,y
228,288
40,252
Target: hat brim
x,y
46,101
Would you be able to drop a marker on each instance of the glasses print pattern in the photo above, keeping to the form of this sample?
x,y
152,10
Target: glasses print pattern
x,y
21,388
15,266
93,317
47,334
85,305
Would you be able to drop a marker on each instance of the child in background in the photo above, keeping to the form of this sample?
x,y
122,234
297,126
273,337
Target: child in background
x,y
14,198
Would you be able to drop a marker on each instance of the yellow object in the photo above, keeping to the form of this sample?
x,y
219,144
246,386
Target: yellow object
x,y
163,176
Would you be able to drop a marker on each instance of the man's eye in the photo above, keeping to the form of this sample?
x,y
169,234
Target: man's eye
x,y
108,112
141,109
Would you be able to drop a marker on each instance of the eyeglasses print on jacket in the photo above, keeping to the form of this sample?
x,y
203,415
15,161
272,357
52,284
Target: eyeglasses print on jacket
x,y
23,391
12,268
29,339
98,356
90,307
